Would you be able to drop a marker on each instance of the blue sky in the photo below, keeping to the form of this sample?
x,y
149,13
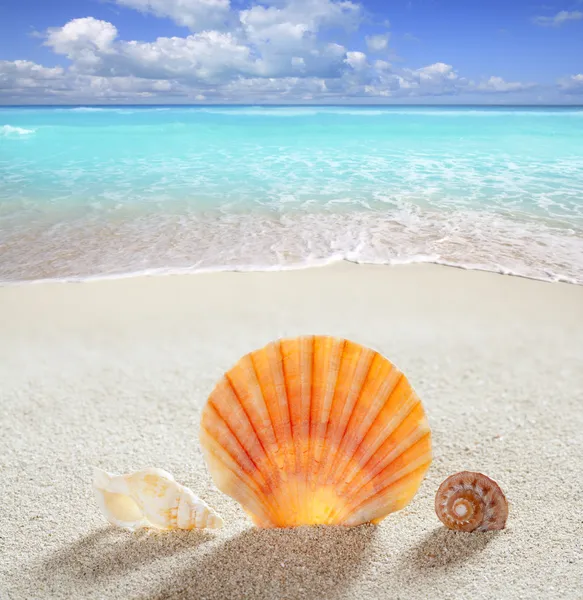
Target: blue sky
x,y
291,51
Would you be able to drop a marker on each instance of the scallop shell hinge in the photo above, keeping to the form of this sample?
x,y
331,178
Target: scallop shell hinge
x,y
151,498
316,430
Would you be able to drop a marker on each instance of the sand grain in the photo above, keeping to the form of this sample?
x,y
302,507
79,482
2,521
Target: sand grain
x,y
115,373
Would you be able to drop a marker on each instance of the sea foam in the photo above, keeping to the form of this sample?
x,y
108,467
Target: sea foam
x,y
124,190
11,131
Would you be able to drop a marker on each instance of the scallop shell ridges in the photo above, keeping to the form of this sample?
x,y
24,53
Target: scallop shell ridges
x,y
316,430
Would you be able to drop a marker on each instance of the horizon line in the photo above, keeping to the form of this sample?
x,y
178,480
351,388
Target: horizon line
x,y
273,104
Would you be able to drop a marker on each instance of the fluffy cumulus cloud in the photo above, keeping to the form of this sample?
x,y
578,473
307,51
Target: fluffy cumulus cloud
x,y
559,19
275,50
81,36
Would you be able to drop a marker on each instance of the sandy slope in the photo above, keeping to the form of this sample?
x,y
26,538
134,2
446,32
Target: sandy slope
x,y
114,374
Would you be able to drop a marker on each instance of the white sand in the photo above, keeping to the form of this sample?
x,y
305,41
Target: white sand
x,y
114,374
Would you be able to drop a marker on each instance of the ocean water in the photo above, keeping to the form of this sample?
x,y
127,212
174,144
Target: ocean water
x,y
101,192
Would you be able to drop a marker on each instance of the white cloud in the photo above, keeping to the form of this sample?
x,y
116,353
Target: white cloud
x,y
80,36
436,71
267,19
25,69
24,79
298,63
289,30
210,56
279,50
308,16
431,80
559,19
435,79
197,15
382,65
497,84
90,45
274,89
84,41
572,84
377,43
116,87
357,60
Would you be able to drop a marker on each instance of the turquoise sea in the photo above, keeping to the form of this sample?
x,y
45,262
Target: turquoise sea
x,y
93,192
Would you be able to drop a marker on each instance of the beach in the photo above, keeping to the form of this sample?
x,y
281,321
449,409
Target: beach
x,y
94,191
114,374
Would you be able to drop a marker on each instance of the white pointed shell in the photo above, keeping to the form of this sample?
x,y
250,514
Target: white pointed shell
x,y
151,498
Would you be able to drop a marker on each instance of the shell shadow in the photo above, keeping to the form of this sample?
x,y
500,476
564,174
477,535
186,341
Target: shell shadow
x,y
301,563
112,551
443,548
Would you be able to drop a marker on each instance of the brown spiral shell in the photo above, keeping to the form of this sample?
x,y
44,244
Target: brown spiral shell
x,y
470,501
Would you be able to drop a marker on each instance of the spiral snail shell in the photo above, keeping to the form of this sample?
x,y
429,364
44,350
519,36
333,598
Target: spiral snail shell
x,y
470,501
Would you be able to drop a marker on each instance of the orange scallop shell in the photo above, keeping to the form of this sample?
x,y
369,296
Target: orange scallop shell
x,y
316,430
469,501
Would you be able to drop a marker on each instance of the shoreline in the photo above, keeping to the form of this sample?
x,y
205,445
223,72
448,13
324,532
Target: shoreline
x,y
114,375
181,272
